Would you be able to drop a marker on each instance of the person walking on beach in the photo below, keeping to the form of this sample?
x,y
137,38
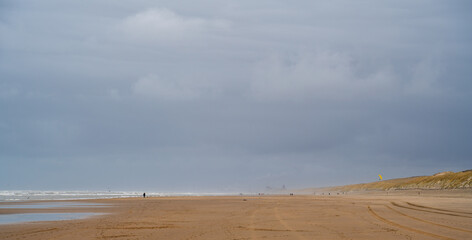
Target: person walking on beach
x,y
144,195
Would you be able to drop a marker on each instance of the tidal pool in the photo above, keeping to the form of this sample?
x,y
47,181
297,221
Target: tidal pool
x,y
35,217
53,205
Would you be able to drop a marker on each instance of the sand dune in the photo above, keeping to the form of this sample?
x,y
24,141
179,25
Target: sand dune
x,y
443,180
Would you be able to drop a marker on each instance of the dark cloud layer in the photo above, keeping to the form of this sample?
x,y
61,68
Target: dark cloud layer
x,y
233,95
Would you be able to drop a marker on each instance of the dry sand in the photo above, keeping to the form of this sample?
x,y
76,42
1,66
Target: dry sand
x,y
367,216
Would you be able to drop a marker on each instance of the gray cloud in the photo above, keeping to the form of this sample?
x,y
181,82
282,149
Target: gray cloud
x,y
231,96
165,25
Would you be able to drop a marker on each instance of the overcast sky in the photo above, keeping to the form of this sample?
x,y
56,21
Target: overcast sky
x,y
231,96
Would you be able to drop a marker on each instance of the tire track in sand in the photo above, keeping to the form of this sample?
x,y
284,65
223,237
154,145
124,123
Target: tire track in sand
x,y
286,226
371,211
424,210
426,221
252,225
440,209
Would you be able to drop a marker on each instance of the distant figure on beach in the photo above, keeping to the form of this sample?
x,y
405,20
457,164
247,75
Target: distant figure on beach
x,y
144,195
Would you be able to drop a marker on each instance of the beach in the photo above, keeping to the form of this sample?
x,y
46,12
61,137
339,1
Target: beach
x,y
344,216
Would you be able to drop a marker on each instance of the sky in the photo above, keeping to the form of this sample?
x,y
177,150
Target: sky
x,y
233,95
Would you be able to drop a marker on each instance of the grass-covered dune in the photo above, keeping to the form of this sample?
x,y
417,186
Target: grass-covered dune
x,y
443,180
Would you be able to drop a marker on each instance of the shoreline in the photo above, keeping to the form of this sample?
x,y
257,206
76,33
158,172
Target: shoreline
x,y
50,195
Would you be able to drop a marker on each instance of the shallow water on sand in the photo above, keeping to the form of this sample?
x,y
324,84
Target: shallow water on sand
x,y
35,217
53,205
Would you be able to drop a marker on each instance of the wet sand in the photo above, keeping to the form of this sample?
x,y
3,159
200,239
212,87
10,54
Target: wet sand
x,y
367,216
